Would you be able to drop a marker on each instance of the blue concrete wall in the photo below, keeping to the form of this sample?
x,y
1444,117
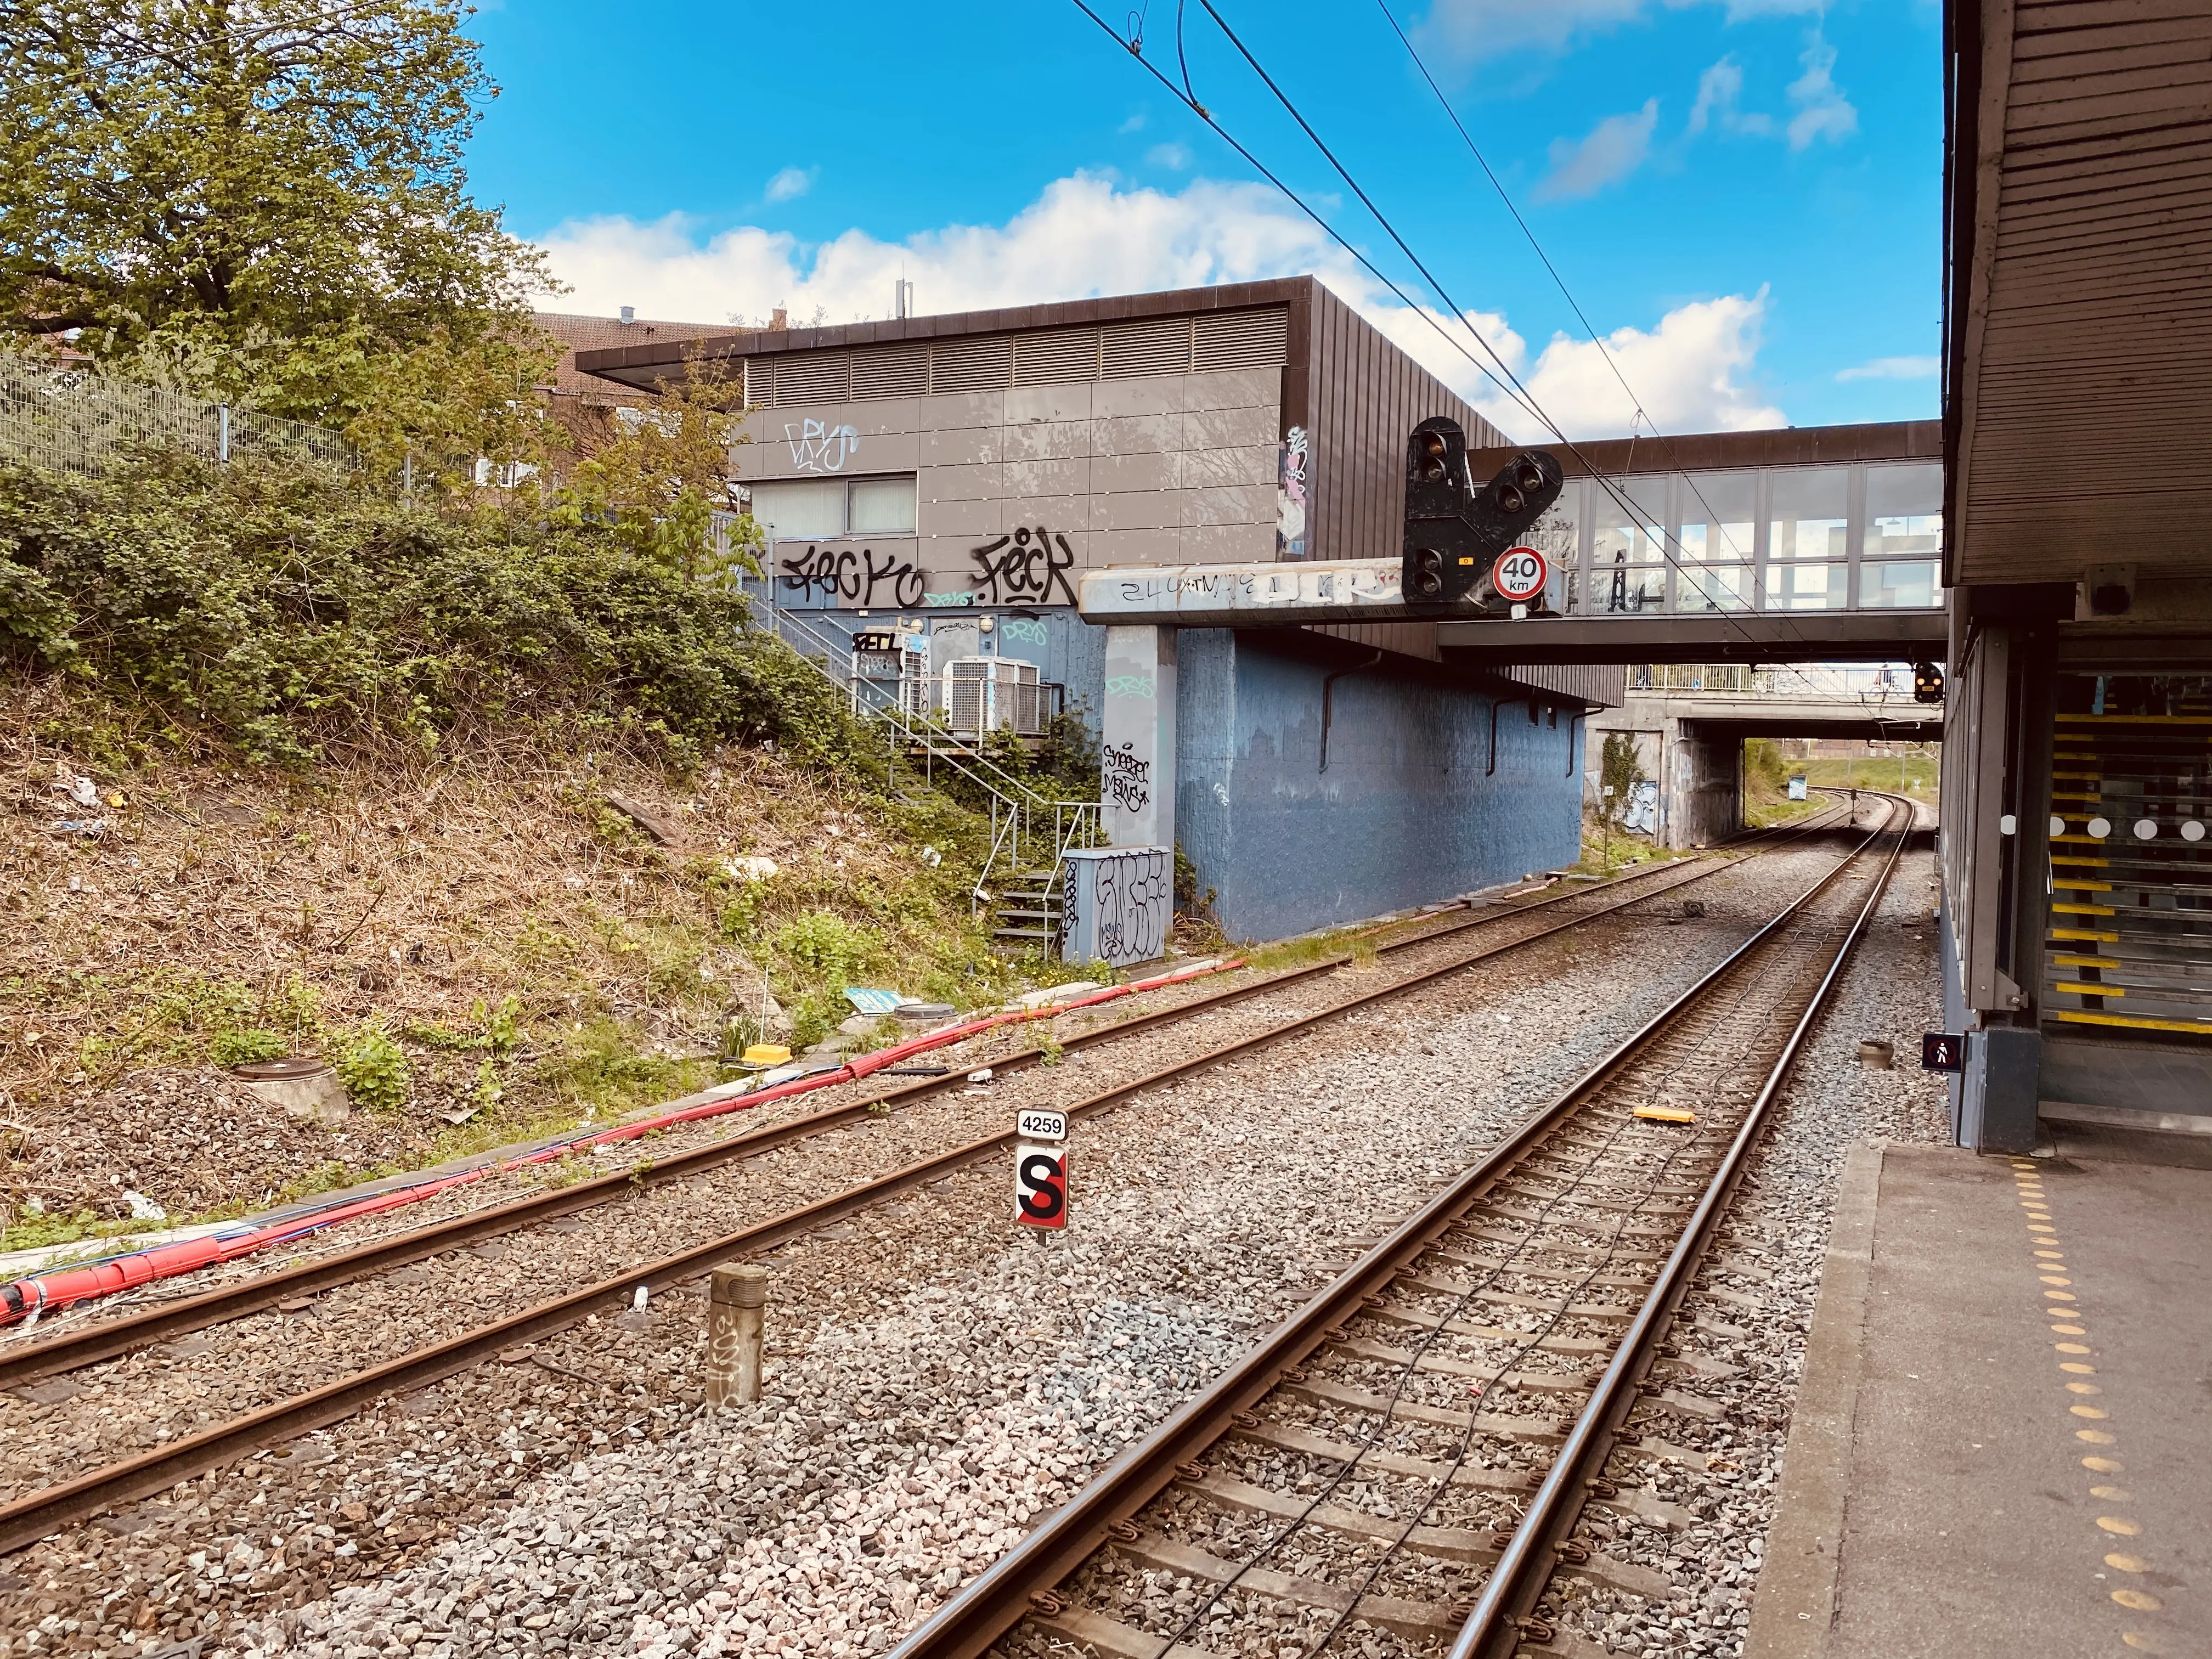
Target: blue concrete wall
x,y
1407,812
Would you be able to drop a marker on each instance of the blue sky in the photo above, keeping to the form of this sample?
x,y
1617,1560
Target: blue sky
x,y
1743,197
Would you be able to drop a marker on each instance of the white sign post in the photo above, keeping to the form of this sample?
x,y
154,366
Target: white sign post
x,y
1041,1168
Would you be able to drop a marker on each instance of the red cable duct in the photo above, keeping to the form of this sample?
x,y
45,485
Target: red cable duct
x,y
26,1298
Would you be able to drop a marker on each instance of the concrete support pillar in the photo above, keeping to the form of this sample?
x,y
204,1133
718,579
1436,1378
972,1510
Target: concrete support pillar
x,y
736,1317
1137,747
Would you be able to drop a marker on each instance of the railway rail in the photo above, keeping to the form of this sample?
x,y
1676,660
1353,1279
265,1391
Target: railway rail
x,y
1415,1448
44,1511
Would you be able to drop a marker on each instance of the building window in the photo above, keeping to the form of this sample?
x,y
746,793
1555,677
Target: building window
x,y
811,509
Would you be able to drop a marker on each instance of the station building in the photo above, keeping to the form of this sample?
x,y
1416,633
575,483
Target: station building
x,y
2077,794
940,485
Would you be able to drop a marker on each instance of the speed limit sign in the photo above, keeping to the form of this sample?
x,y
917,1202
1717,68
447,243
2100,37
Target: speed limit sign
x,y
1040,1185
1519,575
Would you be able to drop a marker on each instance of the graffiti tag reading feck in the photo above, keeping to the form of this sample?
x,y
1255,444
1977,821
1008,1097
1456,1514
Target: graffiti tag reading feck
x,y
1026,565
1127,779
861,576
1135,896
818,448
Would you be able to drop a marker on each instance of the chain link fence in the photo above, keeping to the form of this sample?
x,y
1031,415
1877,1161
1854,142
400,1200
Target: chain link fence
x,y
69,418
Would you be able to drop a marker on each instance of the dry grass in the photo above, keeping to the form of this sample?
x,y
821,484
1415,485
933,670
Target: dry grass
x,y
225,908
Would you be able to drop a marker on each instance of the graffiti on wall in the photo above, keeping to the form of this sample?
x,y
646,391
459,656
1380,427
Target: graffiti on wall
x,y
1132,904
859,576
1125,777
815,447
1291,495
1027,565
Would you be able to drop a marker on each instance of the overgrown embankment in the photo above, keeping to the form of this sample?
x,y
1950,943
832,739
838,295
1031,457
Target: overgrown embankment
x,y
511,822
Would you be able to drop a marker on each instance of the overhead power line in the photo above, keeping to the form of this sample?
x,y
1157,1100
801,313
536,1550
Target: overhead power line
x,y
1498,372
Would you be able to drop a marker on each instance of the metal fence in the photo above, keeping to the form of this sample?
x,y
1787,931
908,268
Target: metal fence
x,y
68,417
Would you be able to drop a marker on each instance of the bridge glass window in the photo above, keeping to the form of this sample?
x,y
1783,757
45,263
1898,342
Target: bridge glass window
x,y
882,507
1628,546
1900,563
1807,587
1810,517
1719,513
1713,587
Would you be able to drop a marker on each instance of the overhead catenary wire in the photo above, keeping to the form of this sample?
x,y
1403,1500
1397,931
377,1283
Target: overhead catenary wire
x,y
1528,398
1537,247
1501,375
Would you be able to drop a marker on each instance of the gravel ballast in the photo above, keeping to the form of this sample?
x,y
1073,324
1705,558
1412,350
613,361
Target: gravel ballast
x,y
937,1381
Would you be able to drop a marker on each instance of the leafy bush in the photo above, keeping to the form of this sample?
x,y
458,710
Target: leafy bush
x,y
278,606
373,1069
244,1047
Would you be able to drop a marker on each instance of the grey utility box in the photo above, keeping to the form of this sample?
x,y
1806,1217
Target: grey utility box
x,y
1119,904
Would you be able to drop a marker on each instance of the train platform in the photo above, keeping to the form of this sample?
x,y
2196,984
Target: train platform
x,y
2000,1444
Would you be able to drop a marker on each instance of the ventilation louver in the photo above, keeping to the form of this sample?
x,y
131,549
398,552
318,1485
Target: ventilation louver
x,y
1240,339
984,364
1161,347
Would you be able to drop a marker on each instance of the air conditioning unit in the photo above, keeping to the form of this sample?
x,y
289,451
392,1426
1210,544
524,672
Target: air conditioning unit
x,y
993,693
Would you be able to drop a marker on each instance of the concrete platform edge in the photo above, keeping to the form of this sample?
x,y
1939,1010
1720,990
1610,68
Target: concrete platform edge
x,y
1794,1607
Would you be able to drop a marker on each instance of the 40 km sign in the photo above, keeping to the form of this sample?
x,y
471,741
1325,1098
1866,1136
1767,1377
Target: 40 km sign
x,y
1040,1185
1519,575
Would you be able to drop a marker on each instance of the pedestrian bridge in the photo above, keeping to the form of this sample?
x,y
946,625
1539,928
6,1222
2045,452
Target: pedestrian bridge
x,y
1805,545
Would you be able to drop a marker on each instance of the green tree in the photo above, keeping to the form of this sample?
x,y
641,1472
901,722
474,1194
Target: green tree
x,y
1620,770
266,195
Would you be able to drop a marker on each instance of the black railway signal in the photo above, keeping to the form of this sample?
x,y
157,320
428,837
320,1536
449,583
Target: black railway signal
x,y
1454,532
1927,683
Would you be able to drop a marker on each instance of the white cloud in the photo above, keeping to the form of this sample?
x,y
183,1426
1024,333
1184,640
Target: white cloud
x,y
1823,112
790,183
1893,368
1470,29
1081,236
1688,372
1084,236
1615,148
1719,90
1134,124
1176,156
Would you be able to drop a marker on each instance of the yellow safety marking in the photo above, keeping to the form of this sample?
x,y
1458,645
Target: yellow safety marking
x,y
2080,884
2083,1389
2143,1641
2095,1414
2120,1563
1665,1113
2060,1296
2120,1524
2102,1465
2082,989
2057,1281
2141,1601
2077,1367
2113,1494
2074,795
2085,909
2078,777
2040,1227
2134,1022
2087,962
2071,1348
2136,720
2084,936
2067,1330
2094,1437
2079,840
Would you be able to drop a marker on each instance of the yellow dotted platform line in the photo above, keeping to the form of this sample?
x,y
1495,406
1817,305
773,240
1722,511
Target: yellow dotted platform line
x,y
2068,1323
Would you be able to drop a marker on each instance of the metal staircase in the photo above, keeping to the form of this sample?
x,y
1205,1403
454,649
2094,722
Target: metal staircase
x,y
1023,882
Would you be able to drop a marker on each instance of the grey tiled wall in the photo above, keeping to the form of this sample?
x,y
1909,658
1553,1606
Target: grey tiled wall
x,y
1167,470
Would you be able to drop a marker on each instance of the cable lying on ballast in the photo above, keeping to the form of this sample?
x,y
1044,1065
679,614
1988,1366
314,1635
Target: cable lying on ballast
x,y
26,1298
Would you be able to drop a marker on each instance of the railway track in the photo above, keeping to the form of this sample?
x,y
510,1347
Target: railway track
x,y
1411,1454
45,1511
